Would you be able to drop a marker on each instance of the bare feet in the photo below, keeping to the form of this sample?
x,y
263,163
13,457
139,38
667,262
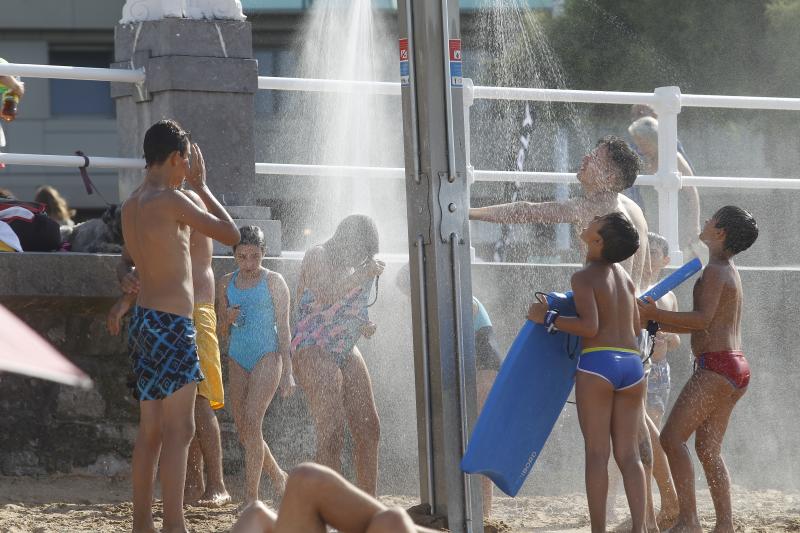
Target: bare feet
x,y
681,527
214,499
666,519
279,484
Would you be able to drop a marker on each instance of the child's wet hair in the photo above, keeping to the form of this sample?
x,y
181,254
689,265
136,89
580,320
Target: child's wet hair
x,y
357,233
620,238
252,235
624,159
741,230
658,241
163,138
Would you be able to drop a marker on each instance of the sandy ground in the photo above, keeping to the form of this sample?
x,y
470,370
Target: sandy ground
x,y
82,504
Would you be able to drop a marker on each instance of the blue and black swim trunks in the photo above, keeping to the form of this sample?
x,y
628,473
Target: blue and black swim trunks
x,y
163,352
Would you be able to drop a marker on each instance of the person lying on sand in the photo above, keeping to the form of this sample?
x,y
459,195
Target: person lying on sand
x,y
317,497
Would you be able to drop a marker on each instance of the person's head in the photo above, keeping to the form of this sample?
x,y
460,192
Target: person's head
x,y
642,110
354,241
611,166
8,195
644,133
659,252
251,248
57,208
731,229
167,145
611,238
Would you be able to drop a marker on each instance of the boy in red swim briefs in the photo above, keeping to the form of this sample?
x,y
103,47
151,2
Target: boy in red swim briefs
x,y
721,371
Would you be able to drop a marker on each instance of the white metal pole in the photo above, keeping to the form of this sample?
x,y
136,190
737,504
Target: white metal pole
x,y
72,73
668,105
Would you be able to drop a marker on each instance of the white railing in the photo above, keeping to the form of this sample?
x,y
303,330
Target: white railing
x,y
73,73
667,102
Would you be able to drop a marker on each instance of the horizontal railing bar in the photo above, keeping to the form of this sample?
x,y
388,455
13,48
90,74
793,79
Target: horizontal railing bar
x,y
72,73
562,95
73,161
740,102
320,85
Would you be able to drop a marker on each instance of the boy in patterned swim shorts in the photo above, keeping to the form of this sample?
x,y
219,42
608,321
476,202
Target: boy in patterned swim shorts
x,y
156,222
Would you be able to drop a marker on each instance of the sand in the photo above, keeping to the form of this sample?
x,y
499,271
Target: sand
x,y
85,503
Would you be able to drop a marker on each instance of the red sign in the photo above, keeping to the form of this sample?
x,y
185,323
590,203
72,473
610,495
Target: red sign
x,y
403,49
455,49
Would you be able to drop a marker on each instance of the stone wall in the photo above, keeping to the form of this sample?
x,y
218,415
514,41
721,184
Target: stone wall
x,y
47,427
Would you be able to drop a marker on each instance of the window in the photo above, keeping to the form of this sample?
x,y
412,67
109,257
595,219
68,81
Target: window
x,y
79,97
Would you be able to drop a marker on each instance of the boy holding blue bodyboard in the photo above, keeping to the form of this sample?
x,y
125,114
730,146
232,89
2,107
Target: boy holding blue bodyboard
x,y
609,385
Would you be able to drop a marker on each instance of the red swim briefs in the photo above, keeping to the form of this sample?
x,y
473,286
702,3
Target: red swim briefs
x,y
730,363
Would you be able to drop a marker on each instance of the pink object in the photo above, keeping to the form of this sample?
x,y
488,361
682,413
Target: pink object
x,y
23,351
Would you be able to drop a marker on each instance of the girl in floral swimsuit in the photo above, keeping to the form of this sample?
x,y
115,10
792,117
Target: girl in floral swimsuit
x,y
336,278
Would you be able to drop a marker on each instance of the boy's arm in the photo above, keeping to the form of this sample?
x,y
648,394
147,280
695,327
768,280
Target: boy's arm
x,y
587,323
223,326
217,223
698,319
528,212
126,273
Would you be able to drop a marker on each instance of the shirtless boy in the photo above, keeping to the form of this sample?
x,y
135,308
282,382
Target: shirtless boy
x,y
721,371
610,384
156,222
604,173
206,447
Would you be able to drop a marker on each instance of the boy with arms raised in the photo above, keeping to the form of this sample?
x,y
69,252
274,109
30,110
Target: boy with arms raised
x,y
721,371
609,385
156,222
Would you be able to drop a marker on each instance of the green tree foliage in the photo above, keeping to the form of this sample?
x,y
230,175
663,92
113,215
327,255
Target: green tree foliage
x,y
709,46
783,47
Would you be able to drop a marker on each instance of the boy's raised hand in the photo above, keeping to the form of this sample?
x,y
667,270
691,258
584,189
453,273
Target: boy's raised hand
x,y
197,169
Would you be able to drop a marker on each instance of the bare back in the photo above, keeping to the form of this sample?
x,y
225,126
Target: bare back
x,y
724,331
201,249
617,312
160,247
602,205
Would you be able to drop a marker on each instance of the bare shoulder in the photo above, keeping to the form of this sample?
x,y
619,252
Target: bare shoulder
x,y
194,197
224,280
275,279
584,277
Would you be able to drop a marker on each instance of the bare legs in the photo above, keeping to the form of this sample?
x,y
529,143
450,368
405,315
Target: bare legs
x,y
250,395
704,405
206,448
485,381
606,417
165,426
668,513
334,396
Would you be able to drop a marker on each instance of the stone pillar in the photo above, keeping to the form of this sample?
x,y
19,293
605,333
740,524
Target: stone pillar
x,y
201,72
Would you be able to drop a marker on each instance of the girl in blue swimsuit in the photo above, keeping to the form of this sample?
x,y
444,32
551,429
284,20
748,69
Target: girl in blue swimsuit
x,y
254,314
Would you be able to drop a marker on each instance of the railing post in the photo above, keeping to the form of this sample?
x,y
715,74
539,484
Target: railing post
x,y
668,105
469,99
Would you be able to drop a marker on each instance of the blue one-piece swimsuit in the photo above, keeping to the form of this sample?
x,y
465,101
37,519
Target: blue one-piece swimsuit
x,y
255,334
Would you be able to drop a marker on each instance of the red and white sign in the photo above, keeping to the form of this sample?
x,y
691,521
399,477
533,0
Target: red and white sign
x,y
455,49
403,49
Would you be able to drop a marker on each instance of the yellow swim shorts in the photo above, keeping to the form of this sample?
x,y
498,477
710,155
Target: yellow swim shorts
x,y
205,320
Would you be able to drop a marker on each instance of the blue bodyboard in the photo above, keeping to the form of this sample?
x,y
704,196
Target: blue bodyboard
x,y
530,392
